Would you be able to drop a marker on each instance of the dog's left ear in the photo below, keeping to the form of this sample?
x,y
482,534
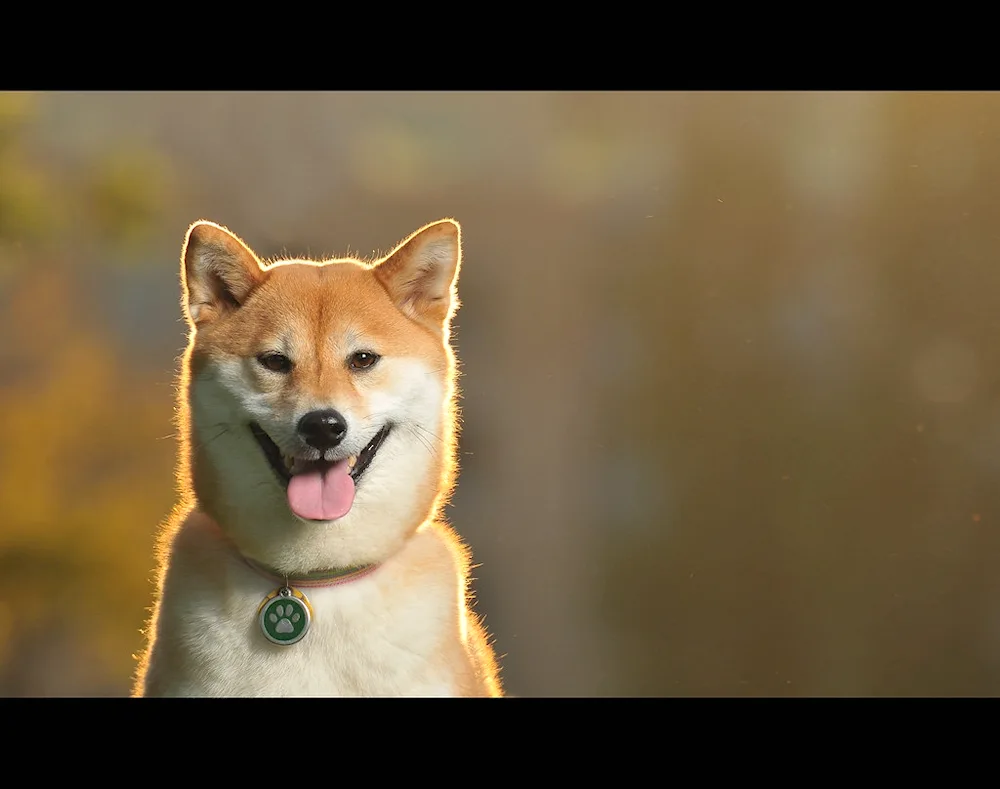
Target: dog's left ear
x,y
421,273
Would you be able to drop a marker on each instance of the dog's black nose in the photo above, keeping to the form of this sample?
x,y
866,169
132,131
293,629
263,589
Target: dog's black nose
x,y
322,429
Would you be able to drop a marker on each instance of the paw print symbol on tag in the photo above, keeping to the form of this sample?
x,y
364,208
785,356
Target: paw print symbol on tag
x,y
284,619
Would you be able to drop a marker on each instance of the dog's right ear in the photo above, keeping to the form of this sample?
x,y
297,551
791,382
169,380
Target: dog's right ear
x,y
218,272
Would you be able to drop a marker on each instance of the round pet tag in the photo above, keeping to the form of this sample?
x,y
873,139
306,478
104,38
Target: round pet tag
x,y
285,616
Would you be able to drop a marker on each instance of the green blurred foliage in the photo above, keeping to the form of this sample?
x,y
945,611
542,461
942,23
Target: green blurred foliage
x,y
126,191
29,204
114,202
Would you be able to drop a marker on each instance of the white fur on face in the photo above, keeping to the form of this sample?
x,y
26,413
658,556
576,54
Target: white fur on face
x,y
225,398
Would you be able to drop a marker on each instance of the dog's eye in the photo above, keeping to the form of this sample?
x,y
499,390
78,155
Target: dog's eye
x,y
362,360
275,362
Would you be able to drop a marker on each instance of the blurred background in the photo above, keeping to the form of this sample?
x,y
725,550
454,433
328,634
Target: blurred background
x,y
732,415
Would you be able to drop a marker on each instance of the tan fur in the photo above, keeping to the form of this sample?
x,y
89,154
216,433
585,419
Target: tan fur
x,y
406,629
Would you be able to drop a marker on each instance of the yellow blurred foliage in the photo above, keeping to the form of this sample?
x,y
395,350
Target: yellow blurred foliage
x,y
81,431
16,108
80,445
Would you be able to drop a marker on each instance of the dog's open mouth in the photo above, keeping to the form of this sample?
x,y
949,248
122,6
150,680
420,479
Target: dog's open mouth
x,y
319,490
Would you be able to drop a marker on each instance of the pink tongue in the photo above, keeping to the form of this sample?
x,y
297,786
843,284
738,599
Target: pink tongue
x,y
322,494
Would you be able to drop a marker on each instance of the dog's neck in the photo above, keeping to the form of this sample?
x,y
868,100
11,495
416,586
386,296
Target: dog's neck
x,y
331,576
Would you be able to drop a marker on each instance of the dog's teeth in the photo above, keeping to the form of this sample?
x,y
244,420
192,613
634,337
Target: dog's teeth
x,y
352,460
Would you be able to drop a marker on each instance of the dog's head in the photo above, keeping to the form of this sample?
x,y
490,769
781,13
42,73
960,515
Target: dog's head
x,y
321,409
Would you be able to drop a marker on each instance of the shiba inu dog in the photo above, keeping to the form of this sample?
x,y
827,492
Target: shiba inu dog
x,y
317,425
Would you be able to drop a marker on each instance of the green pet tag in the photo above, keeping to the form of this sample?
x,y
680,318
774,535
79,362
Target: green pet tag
x,y
285,616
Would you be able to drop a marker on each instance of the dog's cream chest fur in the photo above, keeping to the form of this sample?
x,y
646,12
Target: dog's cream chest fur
x,y
367,638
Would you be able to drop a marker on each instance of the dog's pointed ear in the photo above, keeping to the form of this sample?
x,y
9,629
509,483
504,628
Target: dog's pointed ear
x,y
218,272
421,274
